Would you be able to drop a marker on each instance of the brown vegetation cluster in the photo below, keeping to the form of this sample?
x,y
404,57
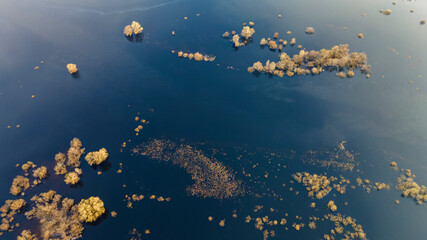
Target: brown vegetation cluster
x,y
71,160
314,62
338,158
341,222
90,209
72,68
212,178
196,56
19,184
58,217
137,198
245,35
97,157
8,212
27,235
134,28
410,188
316,185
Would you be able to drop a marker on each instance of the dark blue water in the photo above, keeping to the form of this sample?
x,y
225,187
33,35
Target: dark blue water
x,y
383,119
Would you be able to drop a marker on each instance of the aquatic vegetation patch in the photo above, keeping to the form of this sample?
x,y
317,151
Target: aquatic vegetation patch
x,y
72,68
134,28
58,217
346,226
97,157
338,158
211,177
314,62
195,56
90,209
410,188
8,212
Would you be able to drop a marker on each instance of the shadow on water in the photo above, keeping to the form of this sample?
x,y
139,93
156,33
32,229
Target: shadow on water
x,y
100,218
76,75
135,38
104,166
77,185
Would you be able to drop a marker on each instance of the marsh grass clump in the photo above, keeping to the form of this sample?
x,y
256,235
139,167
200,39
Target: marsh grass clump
x,y
90,209
246,35
236,41
337,58
211,178
316,185
272,45
97,157
247,32
196,56
8,212
27,235
309,30
74,153
57,216
411,189
393,165
27,166
72,68
40,172
332,206
386,12
71,178
19,184
338,158
346,226
134,28
71,160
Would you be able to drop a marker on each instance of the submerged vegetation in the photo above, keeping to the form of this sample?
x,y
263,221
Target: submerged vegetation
x,y
211,177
